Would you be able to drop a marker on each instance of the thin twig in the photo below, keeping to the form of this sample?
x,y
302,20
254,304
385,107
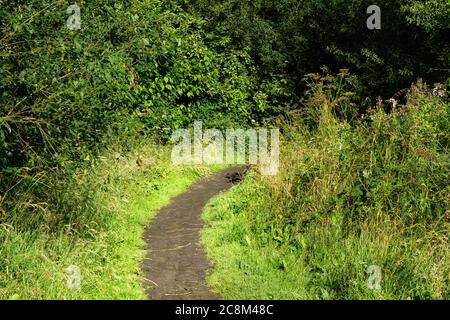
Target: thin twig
x,y
151,281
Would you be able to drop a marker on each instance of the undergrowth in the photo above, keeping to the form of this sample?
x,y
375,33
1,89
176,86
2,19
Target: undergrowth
x,y
113,200
353,194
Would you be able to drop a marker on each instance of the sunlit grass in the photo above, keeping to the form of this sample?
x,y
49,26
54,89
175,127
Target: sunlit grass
x,y
347,197
109,247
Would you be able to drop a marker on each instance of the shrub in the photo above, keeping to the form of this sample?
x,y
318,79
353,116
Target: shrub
x,y
351,193
66,94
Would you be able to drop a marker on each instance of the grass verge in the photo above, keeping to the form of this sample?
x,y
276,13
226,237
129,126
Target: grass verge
x,y
102,237
243,268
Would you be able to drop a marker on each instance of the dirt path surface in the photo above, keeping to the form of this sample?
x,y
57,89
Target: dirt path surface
x,y
175,266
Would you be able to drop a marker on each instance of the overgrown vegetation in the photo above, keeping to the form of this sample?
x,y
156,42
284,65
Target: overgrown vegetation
x,y
290,38
360,184
113,200
373,191
66,97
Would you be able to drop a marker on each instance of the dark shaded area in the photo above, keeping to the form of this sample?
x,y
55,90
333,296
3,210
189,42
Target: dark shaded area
x,y
289,38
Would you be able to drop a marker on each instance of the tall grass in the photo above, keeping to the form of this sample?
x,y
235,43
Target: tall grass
x,y
94,220
352,192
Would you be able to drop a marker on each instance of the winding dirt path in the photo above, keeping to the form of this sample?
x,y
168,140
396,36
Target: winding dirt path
x,y
175,266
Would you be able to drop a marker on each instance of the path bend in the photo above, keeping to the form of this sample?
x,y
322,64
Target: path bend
x,y
175,266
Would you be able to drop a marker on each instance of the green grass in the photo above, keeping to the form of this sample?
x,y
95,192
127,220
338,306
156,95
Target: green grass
x,y
255,259
103,239
348,196
243,269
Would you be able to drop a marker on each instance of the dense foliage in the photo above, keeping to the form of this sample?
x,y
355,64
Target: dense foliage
x,y
289,38
136,70
372,191
134,67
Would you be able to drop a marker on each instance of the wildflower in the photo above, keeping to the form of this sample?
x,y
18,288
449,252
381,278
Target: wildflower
x,y
437,91
393,102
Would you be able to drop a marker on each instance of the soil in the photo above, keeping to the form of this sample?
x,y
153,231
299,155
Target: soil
x,y
176,266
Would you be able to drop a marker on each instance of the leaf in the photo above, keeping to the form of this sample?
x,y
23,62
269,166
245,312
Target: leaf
x,y
7,126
